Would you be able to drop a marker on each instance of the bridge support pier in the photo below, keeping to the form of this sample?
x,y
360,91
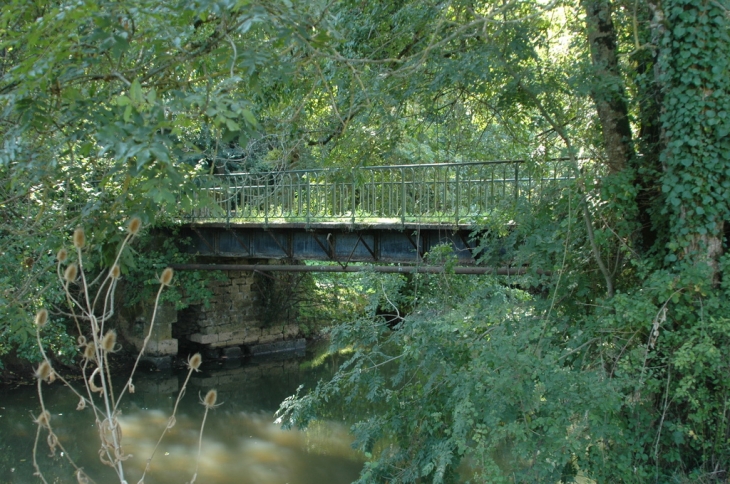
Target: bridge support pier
x,y
135,325
246,309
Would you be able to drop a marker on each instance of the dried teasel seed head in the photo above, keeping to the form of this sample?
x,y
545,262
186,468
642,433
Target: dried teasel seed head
x,y
81,477
71,272
93,386
44,371
52,442
166,277
79,238
210,398
115,272
41,318
195,361
90,351
131,387
44,419
109,341
134,225
62,255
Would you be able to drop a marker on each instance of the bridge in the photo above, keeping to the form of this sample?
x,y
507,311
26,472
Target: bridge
x,y
377,215
259,229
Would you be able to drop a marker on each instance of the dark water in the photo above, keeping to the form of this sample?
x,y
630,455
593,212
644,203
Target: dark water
x,y
241,444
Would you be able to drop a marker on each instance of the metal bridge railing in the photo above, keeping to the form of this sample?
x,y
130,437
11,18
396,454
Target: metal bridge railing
x,y
449,193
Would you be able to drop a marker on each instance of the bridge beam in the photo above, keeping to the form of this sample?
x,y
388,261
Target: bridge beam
x,y
501,271
328,242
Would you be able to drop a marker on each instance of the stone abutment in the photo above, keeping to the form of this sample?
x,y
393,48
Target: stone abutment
x,y
247,313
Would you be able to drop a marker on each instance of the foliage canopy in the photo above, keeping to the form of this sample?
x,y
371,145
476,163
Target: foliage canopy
x,y
611,361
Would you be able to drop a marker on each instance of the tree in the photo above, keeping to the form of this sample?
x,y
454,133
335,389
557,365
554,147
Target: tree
x,y
100,107
616,371
610,360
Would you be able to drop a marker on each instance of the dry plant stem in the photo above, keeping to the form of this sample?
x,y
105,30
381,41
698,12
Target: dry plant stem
x,y
109,376
116,261
661,314
85,287
62,379
38,472
200,446
68,297
38,432
52,437
108,303
144,345
109,410
168,426
97,410
82,308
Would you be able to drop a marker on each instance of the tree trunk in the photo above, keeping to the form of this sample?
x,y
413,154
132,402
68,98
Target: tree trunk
x,y
694,77
608,88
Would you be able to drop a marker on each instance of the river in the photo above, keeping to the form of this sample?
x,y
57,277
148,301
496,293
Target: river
x,y
241,443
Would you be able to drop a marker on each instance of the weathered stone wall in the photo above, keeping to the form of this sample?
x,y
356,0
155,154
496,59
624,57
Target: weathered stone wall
x,y
134,324
238,313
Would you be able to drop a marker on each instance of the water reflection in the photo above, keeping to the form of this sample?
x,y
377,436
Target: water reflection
x,y
241,444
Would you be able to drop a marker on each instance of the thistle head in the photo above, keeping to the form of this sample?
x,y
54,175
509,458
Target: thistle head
x,y
166,277
134,225
90,351
44,419
71,272
44,371
109,341
41,318
210,399
195,361
62,255
79,238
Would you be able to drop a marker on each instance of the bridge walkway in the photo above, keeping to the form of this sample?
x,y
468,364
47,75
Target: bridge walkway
x,y
376,215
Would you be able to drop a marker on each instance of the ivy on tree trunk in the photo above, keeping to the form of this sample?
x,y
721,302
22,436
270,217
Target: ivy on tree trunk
x,y
694,73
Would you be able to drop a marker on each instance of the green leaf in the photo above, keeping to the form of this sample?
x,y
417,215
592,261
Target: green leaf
x,y
135,92
122,100
249,117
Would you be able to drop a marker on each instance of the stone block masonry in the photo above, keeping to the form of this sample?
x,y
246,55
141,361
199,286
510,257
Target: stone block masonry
x,y
134,323
239,312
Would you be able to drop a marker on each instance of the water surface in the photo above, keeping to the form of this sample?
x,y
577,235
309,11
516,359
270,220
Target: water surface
x,y
241,444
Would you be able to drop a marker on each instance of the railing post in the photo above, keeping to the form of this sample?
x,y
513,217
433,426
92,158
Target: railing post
x,y
403,198
309,201
352,223
458,198
228,202
517,182
266,203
